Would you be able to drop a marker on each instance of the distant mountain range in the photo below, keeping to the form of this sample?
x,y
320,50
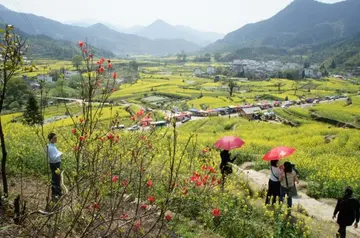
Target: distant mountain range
x,y
98,35
163,30
302,23
160,29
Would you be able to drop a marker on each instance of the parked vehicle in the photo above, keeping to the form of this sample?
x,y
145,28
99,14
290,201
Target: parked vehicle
x,y
186,119
159,123
134,128
316,102
118,127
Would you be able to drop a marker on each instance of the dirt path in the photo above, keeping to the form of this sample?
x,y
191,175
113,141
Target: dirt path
x,y
313,207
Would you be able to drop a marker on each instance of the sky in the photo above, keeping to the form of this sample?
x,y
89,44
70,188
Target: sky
x,y
221,16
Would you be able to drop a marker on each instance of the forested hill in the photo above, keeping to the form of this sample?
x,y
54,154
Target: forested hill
x,y
42,46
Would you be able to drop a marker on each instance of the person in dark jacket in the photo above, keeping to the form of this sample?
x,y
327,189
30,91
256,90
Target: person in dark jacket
x,y
225,167
274,183
347,211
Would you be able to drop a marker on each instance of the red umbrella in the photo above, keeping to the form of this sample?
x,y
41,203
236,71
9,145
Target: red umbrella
x,y
229,143
279,153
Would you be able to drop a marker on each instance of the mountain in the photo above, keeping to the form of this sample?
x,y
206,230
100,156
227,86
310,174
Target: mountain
x,y
303,22
42,46
89,22
163,30
98,35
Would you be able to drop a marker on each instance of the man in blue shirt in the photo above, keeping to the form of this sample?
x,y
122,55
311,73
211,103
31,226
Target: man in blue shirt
x,y
55,161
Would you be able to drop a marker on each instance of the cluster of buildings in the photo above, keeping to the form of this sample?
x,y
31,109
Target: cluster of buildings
x,y
210,70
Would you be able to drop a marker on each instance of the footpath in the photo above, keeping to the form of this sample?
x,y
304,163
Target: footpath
x,y
314,208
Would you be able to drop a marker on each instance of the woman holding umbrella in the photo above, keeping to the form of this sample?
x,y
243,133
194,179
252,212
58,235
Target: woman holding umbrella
x,y
274,185
226,144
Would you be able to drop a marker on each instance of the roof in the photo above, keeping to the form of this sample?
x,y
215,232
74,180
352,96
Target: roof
x,y
251,110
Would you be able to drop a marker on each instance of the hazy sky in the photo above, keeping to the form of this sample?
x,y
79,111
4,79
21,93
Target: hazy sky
x,y
208,15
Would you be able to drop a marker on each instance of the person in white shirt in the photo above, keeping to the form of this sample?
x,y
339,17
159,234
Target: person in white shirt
x,y
274,183
55,162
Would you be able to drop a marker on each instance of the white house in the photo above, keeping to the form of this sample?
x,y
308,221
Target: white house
x,y
45,77
68,74
197,72
309,73
211,70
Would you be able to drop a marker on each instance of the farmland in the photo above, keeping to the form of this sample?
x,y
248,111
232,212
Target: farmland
x,y
321,164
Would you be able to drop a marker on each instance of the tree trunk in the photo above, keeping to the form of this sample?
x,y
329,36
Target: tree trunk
x,y
3,161
231,91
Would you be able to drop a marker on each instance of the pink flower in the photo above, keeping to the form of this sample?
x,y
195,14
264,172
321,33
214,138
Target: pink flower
x,y
168,217
216,212
101,69
115,178
144,206
96,205
204,151
124,216
125,183
81,44
199,183
149,183
151,199
73,131
91,55
85,51
110,136
137,226
102,60
114,75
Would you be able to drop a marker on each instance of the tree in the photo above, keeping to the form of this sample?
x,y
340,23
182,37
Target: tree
x,y
333,65
77,61
11,58
133,65
296,87
217,56
231,83
32,114
279,85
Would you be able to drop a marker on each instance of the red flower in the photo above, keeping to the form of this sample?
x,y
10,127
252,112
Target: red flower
x,y
102,60
82,138
136,226
96,205
114,75
85,51
219,181
168,217
81,120
110,136
101,69
151,199
133,118
149,183
110,65
125,183
144,206
115,178
91,55
216,212
199,183
143,138
185,191
204,167
204,150
99,63
73,131
211,170
205,178
124,216
75,148
81,44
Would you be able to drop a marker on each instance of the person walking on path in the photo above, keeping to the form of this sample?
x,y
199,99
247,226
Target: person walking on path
x,y
225,167
54,156
347,212
287,181
274,183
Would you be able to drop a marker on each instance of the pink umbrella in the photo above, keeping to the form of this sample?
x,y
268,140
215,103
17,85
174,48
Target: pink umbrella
x,y
278,153
229,143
